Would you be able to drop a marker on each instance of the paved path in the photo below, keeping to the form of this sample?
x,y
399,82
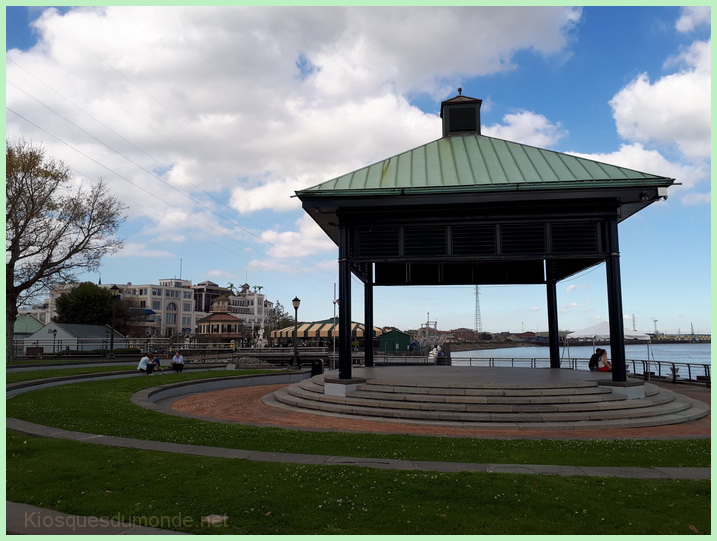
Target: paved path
x,y
248,407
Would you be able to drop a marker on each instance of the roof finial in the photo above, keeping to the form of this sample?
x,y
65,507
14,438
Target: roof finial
x,y
460,90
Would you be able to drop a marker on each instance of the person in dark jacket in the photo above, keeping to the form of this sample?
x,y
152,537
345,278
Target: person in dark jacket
x,y
595,360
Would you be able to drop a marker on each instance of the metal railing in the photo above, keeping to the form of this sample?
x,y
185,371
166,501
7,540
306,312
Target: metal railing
x,y
676,372
49,348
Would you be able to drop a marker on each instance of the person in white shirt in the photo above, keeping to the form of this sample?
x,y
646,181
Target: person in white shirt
x,y
178,362
145,365
604,365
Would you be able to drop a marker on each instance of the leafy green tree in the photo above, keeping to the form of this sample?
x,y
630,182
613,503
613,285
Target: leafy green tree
x,y
54,227
87,303
90,304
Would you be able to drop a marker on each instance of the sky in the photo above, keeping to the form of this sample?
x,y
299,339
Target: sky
x,y
204,121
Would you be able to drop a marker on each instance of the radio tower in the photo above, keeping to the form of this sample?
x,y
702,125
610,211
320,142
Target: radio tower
x,y
478,323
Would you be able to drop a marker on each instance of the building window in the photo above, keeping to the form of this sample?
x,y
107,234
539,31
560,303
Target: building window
x,y
156,305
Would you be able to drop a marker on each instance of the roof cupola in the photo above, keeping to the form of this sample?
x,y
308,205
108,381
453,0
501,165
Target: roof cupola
x,y
461,115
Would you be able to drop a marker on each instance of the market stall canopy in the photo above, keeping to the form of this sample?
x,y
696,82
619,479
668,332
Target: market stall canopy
x,y
601,331
321,329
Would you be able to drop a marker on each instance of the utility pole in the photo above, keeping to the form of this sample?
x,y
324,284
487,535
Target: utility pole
x,y
478,327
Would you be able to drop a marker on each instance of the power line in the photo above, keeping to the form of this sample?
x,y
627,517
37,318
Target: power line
x,y
282,264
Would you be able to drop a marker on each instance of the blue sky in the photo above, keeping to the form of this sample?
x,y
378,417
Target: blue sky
x,y
204,121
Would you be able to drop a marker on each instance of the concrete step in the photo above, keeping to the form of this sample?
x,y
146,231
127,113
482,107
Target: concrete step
x,y
480,404
579,406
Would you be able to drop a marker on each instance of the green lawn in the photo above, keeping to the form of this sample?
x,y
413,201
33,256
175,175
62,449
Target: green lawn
x,y
84,407
16,377
176,491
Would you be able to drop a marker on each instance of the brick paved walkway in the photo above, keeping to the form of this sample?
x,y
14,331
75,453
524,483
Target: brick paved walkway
x,y
245,405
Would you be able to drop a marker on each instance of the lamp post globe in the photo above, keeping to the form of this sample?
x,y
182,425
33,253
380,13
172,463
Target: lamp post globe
x,y
296,302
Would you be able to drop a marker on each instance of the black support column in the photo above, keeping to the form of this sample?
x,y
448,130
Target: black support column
x,y
344,303
614,302
368,318
553,328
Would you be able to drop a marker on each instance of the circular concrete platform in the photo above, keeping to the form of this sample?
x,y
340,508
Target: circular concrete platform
x,y
258,406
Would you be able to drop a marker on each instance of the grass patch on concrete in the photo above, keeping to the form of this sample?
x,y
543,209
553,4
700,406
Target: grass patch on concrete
x,y
16,377
250,498
104,407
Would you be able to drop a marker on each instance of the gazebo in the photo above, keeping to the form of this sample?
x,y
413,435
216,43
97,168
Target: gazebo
x,y
468,209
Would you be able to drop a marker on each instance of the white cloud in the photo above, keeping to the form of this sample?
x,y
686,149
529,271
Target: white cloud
x,y
693,17
674,109
573,287
696,198
528,128
636,156
136,249
256,101
307,241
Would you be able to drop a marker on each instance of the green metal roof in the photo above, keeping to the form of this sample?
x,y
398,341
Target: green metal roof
x,y
479,163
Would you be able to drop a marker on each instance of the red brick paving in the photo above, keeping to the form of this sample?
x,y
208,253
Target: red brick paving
x,y
245,405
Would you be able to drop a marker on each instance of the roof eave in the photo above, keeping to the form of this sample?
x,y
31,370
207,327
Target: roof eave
x,y
655,182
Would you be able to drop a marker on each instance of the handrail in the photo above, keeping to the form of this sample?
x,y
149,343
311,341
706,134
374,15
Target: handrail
x,y
666,370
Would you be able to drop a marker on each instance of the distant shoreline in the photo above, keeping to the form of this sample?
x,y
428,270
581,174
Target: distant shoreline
x,y
472,346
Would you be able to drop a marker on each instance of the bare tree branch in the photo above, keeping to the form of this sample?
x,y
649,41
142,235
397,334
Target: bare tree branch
x,y
52,229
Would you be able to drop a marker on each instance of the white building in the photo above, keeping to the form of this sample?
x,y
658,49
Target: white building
x,y
251,307
170,308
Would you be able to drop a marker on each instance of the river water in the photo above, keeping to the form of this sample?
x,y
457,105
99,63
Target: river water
x,y
679,353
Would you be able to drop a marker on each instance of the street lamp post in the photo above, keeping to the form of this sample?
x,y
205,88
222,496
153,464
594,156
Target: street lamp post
x,y
53,332
115,295
296,302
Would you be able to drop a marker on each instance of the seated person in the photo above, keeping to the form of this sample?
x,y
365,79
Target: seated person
x,y
178,362
603,364
595,360
156,364
145,365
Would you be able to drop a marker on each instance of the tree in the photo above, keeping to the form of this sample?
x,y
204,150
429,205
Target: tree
x,y
86,303
90,304
278,318
54,227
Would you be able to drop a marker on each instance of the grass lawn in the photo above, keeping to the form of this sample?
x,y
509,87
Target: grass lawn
x,y
176,491
15,377
84,407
